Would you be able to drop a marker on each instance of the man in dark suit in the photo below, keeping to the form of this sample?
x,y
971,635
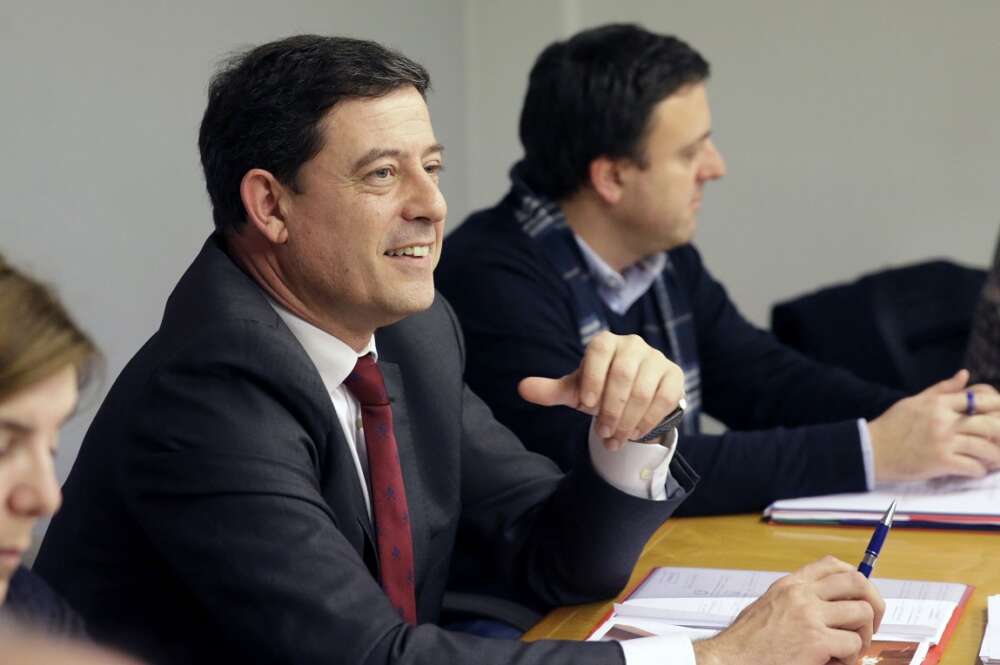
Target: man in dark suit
x,y
595,234
285,472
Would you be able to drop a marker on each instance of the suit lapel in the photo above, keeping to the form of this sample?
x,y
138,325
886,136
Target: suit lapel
x,y
236,291
348,486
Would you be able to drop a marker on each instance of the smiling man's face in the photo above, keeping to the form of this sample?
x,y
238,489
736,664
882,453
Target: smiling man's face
x,y
365,227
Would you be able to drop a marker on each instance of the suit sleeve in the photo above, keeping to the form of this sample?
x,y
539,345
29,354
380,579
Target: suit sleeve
x,y
222,478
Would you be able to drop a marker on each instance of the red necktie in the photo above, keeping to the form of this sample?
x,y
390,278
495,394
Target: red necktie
x,y
392,519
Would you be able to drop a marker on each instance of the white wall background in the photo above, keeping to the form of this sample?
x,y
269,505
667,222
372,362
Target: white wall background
x,y
857,134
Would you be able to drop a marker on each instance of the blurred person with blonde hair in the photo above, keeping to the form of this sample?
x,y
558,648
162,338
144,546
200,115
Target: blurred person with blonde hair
x,y
44,359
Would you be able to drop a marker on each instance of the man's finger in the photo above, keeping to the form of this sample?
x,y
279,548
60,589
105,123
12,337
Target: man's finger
x,y
853,615
846,645
982,402
816,570
617,393
984,426
551,392
962,465
644,391
593,369
956,382
844,585
851,585
667,397
984,451
983,389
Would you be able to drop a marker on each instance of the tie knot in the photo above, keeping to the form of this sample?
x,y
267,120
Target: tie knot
x,y
366,384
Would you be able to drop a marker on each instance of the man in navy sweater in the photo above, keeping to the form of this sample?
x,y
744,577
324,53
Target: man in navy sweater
x,y
595,235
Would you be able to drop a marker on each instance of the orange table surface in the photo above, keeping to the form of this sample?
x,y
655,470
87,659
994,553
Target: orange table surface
x,y
744,541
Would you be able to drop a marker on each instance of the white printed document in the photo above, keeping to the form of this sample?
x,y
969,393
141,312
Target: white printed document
x,y
699,602
952,502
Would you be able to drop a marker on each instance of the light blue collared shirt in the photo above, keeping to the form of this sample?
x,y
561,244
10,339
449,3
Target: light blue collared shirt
x,y
620,290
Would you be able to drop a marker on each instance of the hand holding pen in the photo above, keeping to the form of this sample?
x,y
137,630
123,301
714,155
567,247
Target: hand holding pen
x,y
878,538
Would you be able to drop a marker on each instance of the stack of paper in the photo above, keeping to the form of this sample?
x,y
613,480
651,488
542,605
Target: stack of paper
x,y
699,602
990,651
945,502
906,619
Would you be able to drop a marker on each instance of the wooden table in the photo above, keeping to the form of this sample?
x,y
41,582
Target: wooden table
x,y
743,541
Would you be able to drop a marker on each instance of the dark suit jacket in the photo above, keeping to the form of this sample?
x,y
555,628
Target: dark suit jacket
x,y
793,421
214,513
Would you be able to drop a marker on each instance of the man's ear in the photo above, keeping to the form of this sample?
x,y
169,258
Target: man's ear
x,y
262,197
606,178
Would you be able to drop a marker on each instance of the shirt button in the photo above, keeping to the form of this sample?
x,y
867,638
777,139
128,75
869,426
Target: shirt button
x,y
645,474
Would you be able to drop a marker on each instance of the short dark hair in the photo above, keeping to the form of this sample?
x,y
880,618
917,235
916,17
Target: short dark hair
x,y
265,107
593,95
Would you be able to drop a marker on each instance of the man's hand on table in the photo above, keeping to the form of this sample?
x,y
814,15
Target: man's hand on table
x,y
628,385
930,434
824,612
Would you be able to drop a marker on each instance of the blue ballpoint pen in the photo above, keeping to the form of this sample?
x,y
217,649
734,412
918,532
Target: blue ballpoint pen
x,y
875,544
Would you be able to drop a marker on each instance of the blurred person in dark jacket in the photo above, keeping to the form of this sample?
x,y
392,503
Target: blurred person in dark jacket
x,y
983,355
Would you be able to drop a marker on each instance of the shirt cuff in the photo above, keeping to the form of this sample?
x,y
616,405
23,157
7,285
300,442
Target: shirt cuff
x,y
867,453
637,469
673,649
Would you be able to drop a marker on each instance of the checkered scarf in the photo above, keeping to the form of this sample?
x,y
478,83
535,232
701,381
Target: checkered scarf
x,y
669,323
